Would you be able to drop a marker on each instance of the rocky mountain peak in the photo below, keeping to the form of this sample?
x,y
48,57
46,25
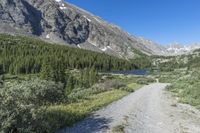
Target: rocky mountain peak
x,y
61,22
177,48
44,18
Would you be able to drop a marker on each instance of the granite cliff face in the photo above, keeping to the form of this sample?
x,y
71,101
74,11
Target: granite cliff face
x,y
61,22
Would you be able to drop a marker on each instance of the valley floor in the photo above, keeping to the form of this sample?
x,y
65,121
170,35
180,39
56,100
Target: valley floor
x,y
150,109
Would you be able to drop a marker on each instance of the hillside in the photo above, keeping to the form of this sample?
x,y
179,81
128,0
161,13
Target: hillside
x,y
61,22
185,61
23,55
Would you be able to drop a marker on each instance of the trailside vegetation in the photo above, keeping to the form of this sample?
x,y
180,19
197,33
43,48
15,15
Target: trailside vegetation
x,y
184,85
183,74
45,87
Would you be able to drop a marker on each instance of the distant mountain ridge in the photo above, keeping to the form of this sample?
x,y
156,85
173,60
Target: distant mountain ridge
x,y
61,22
176,48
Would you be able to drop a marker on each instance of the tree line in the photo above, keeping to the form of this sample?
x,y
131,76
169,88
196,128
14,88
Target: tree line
x,y
24,55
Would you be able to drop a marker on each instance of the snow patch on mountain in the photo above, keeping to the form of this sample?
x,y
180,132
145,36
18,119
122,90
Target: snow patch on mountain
x,y
58,0
87,18
106,48
78,46
62,7
47,36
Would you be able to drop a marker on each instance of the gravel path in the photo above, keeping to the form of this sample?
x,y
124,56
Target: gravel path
x,y
149,110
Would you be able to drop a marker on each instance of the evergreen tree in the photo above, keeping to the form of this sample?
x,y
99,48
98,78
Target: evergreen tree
x,y
27,55
59,71
47,71
93,76
69,85
1,76
1,69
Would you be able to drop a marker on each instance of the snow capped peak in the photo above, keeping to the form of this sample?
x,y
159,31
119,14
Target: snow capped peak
x,y
177,48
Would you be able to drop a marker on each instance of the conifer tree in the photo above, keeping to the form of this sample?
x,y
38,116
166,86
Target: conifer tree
x,y
69,84
47,71
1,69
1,76
28,55
93,76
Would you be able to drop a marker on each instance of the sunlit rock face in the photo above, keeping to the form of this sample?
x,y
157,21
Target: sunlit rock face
x,y
61,22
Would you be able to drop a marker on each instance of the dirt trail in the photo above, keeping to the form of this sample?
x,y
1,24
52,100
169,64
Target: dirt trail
x,y
149,110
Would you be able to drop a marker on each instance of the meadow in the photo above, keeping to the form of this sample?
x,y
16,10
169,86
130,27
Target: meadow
x,y
185,84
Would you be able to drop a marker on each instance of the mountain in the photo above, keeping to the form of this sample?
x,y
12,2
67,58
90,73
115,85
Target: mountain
x,y
60,22
177,49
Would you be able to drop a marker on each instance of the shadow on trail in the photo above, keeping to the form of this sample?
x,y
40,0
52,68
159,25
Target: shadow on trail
x,y
91,124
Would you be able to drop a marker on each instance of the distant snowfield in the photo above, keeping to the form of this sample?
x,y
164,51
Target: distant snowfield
x,y
180,49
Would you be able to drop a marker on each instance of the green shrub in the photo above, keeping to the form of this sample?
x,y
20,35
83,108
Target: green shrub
x,y
145,80
80,94
186,87
113,84
22,105
83,93
119,129
60,116
128,89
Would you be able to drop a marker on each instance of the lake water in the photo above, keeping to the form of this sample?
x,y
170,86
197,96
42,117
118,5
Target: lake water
x,y
132,72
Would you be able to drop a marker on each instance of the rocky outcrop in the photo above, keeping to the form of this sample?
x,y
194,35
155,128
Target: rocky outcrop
x,y
43,18
60,22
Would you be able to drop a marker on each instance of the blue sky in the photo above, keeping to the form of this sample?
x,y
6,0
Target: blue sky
x,y
163,21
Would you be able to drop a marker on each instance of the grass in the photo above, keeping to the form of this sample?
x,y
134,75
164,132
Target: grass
x,y
70,113
185,86
67,114
121,127
144,80
82,101
134,86
188,93
118,129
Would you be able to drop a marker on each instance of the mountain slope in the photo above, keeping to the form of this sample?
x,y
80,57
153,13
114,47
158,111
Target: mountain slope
x,y
57,21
